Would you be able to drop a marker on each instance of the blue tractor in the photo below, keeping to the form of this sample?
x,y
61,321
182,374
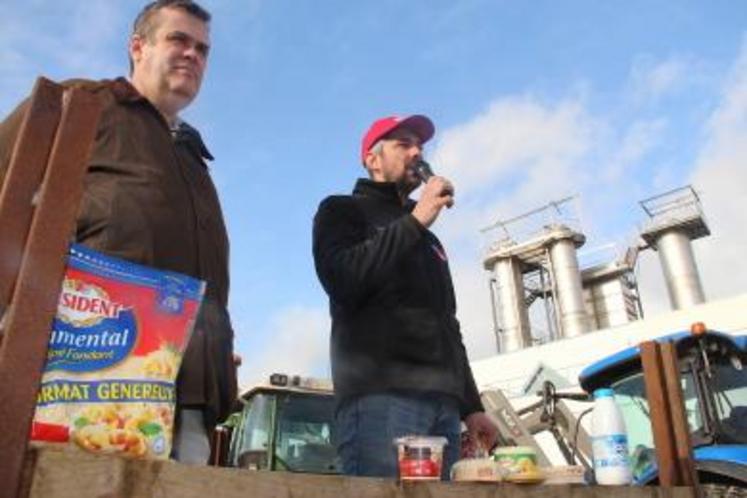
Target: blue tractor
x,y
713,370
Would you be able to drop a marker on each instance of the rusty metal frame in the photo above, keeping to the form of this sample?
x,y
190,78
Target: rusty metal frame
x,y
40,197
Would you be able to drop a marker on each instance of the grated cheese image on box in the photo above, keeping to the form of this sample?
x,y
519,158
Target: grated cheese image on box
x,y
109,383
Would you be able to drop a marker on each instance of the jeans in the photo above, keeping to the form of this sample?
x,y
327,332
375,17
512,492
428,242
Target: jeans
x,y
191,443
366,427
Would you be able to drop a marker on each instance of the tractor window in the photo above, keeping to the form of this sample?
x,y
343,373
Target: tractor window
x,y
252,439
304,437
730,388
630,395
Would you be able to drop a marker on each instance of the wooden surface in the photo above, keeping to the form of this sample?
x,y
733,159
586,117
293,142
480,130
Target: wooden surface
x,y
73,474
34,301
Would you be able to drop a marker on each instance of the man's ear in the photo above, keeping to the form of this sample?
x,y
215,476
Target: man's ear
x,y
368,163
135,47
369,160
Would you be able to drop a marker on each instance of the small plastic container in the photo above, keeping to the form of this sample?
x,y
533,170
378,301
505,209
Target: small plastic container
x,y
420,457
519,464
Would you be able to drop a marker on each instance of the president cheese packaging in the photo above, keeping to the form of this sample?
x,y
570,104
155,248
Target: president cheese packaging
x,y
109,383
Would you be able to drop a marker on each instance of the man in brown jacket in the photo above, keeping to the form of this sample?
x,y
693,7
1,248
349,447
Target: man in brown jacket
x,y
148,198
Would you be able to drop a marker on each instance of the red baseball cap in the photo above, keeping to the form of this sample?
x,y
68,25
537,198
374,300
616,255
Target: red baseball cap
x,y
420,125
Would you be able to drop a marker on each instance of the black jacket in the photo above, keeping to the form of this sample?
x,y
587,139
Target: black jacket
x,y
391,299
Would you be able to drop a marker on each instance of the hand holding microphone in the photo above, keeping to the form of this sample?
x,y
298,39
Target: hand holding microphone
x,y
437,193
425,172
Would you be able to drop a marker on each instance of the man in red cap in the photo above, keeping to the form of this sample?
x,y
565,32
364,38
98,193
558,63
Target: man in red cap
x,y
398,362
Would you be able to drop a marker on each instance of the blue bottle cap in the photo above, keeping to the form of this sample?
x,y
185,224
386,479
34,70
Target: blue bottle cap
x,y
605,392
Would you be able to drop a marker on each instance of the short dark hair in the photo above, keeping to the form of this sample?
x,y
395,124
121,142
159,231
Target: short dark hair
x,y
144,24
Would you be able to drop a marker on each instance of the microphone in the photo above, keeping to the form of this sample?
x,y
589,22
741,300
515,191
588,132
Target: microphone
x,y
425,172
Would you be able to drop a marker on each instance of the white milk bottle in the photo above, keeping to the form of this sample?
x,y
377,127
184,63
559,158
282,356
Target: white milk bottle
x,y
609,441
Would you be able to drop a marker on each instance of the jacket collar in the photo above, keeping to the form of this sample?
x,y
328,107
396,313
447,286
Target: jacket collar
x,y
189,134
384,191
124,92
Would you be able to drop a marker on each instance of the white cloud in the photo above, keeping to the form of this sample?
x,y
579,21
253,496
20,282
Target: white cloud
x,y
640,138
297,343
516,155
515,135
651,79
720,175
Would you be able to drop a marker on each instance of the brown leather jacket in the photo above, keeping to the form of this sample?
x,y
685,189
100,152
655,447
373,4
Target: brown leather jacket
x,y
148,198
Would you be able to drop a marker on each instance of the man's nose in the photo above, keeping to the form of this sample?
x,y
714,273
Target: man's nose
x,y
193,53
190,52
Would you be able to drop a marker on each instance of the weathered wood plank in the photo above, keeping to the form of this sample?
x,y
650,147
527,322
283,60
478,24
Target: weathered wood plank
x,y
23,178
34,301
659,409
74,474
680,429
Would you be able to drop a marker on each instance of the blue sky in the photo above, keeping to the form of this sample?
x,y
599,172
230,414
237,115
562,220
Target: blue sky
x,y
533,101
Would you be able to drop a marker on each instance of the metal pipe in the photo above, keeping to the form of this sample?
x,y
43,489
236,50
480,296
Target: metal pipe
x,y
568,290
609,302
558,333
494,309
513,312
680,270
543,285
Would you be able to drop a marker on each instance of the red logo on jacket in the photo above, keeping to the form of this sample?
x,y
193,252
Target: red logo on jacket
x,y
440,252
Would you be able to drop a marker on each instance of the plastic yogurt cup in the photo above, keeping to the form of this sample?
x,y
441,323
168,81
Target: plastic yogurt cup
x,y
420,457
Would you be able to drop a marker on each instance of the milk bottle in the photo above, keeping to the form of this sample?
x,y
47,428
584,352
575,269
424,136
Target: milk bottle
x,y
609,441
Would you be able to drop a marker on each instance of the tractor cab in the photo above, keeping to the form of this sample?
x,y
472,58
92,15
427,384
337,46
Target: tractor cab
x,y
713,375
285,425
